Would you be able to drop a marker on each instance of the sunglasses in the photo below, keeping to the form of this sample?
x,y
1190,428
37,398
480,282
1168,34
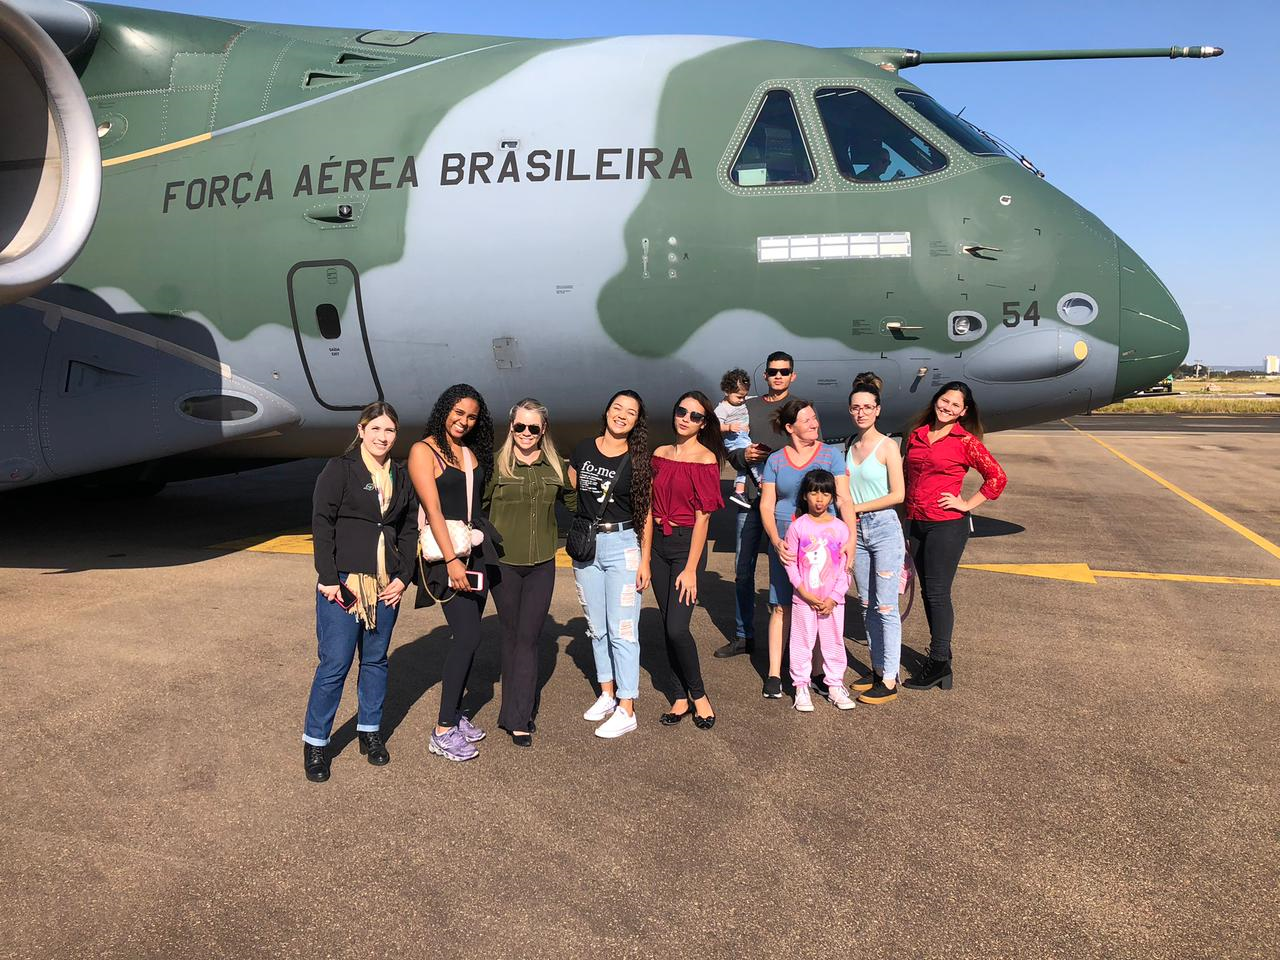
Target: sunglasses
x,y
778,372
533,428
693,415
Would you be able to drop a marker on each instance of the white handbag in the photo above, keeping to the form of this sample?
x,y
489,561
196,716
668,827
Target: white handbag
x,y
462,536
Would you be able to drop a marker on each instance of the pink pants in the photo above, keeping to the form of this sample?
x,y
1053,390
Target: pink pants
x,y
806,627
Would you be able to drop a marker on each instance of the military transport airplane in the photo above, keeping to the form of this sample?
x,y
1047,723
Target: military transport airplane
x,y
221,238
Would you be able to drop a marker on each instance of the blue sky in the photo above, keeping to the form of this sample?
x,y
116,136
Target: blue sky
x,y
1177,157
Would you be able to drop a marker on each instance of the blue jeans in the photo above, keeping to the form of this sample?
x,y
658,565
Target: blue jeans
x,y
747,551
740,441
881,548
338,635
607,591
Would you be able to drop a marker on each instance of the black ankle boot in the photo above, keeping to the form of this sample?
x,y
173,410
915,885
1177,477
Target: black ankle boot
x,y
315,761
936,673
371,744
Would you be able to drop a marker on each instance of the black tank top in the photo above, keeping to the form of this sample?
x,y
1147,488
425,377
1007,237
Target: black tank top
x,y
451,485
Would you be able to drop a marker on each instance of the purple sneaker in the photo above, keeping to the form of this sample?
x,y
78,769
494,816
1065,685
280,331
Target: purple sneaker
x,y
469,730
452,745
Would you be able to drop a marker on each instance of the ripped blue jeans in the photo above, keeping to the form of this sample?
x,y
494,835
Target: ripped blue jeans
x,y
877,570
607,590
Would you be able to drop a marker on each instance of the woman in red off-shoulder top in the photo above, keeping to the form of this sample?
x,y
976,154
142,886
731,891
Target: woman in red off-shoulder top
x,y
686,491
944,444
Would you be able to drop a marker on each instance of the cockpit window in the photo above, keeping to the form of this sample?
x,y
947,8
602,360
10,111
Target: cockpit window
x,y
870,144
961,131
774,151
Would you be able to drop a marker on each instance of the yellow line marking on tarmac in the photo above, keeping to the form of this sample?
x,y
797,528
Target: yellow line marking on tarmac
x,y
562,558
163,148
1218,515
1083,573
297,543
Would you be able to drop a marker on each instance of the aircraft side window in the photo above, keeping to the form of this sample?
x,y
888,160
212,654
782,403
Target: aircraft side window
x,y
870,144
961,131
774,152
328,321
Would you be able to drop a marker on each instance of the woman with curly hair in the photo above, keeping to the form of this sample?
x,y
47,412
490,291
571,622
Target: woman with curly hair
x,y
612,474
448,467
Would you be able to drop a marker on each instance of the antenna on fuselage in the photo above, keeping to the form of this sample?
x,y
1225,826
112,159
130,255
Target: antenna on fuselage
x,y
901,59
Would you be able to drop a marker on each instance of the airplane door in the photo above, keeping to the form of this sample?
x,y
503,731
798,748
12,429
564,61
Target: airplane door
x,y
328,321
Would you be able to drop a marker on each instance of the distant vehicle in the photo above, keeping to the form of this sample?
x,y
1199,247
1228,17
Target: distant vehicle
x,y
1164,386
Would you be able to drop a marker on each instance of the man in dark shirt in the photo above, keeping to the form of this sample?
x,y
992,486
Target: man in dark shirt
x,y
779,374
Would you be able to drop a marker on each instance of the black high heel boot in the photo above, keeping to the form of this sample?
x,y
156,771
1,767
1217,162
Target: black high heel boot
x,y
937,673
315,761
371,745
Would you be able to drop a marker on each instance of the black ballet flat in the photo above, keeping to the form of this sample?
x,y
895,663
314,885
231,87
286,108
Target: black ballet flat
x,y
704,723
671,719
522,739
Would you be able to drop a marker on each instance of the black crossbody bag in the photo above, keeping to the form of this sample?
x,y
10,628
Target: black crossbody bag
x,y
580,541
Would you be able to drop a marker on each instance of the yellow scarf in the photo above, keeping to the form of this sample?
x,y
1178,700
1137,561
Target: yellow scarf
x,y
366,587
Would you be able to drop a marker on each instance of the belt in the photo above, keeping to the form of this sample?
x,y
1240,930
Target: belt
x,y
615,527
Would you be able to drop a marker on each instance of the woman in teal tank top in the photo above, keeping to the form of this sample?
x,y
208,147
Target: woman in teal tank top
x,y
875,480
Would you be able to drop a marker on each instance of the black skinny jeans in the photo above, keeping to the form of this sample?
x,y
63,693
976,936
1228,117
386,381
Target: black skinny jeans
x,y
936,547
667,561
523,596
463,614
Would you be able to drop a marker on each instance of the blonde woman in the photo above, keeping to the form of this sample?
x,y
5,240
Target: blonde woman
x,y
529,478
364,525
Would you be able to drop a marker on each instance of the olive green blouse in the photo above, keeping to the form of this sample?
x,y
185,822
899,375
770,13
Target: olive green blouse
x,y
522,508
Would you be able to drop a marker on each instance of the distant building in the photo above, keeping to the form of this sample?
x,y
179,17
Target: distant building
x,y
1273,364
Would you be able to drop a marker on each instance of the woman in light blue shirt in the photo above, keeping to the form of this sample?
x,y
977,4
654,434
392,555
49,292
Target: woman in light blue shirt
x,y
875,481
779,487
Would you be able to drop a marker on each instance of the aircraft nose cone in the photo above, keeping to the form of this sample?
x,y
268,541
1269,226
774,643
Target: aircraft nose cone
x,y
1153,331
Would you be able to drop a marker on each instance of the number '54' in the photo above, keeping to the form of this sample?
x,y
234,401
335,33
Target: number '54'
x,y
1013,315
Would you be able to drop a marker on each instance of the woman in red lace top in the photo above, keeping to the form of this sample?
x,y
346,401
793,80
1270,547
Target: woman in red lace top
x,y
943,445
686,491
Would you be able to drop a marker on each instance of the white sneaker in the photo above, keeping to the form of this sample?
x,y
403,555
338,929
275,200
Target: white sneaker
x,y
839,697
804,703
600,709
619,722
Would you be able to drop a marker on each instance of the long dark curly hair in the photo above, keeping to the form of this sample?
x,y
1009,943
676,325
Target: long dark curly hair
x,y
709,434
641,466
480,438
972,419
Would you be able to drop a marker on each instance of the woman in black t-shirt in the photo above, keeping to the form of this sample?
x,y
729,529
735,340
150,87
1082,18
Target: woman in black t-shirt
x,y
611,473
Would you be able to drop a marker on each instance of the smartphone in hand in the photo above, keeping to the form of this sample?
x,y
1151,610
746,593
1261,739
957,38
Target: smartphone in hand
x,y
475,579
346,597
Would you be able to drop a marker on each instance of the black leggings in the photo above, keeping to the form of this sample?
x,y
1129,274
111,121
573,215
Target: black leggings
x,y
523,596
463,614
936,547
667,561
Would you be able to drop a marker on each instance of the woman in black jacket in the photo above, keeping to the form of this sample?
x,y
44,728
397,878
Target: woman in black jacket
x,y
364,524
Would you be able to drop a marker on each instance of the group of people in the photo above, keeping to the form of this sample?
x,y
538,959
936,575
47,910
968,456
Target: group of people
x,y
464,520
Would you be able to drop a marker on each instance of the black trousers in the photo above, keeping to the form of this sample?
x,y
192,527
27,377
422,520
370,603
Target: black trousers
x,y
523,596
936,547
666,562
463,614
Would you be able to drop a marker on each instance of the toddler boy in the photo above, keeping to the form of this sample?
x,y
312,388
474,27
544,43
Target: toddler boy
x,y
735,422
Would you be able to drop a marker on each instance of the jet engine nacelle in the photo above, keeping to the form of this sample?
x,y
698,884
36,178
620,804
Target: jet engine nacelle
x,y
50,164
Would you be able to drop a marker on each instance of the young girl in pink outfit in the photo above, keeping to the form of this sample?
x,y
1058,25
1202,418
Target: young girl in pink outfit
x,y
816,539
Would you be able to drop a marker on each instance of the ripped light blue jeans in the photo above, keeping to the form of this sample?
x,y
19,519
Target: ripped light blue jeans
x,y
607,590
877,570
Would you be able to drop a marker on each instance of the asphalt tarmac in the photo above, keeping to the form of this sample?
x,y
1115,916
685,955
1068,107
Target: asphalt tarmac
x,y
1102,781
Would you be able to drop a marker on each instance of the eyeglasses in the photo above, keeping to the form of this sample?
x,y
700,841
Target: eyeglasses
x,y
693,415
533,428
863,408
778,372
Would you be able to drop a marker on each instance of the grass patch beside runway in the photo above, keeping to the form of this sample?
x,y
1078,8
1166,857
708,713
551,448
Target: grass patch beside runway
x,y
1207,404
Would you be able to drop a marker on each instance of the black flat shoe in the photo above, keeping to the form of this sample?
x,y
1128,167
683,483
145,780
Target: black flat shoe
x,y
736,648
315,762
936,673
371,745
671,719
772,688
863,684
704,723
522,739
